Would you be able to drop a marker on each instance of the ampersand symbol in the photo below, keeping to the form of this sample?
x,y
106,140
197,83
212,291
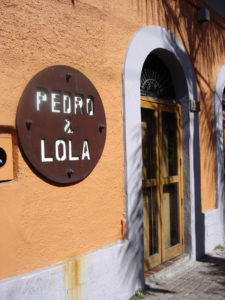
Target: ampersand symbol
x,y
68,127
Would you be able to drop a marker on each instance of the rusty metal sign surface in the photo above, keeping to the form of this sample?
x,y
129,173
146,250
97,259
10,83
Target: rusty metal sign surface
x,y
61,124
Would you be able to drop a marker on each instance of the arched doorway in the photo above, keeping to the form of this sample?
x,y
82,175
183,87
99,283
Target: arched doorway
x,y
162,184
160,41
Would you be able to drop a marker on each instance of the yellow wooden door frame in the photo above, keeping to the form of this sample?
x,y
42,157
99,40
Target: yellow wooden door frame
x,y
154,259
165,254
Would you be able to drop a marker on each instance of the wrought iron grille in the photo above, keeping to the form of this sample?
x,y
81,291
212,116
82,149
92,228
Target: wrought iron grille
x,y
156,80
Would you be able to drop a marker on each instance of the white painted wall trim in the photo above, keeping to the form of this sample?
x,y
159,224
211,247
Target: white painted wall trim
x,y
214,219
214,229
107,273
218,119
145,41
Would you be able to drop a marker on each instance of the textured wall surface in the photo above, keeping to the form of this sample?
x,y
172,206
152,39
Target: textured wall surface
x,y
41,223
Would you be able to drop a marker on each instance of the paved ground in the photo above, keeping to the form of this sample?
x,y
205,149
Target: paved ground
x,y
200,280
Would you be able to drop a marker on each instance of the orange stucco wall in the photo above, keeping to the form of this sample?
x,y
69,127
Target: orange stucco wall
x,y
41,224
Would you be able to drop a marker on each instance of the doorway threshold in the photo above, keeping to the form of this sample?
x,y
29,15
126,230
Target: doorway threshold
x,y
167,269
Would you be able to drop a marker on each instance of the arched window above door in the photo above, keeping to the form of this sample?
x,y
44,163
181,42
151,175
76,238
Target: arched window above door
x,y
156,80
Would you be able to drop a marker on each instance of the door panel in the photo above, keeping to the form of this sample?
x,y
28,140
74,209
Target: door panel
x,y
149,144
150,178
171,215
169,144
162,182
150,221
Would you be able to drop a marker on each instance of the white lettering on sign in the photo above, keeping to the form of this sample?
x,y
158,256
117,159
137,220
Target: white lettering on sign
x,y
90,106
43,157
78,104
61,157
68,127
40,97
55,101
61,151
85,152
65,103
71,157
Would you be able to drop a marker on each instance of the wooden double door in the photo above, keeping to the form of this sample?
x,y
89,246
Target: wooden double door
x,y
161,181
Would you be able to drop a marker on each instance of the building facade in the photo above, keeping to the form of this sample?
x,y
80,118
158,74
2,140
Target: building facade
x,y
156,188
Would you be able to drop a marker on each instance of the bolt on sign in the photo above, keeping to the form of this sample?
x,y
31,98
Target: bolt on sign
x,y
61,124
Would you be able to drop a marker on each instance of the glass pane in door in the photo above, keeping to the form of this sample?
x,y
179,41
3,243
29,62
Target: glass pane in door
x,y
150,209
171,215
169,144
148,123
150,221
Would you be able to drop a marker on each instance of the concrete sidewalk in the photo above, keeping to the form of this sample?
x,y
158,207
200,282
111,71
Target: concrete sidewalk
x,y
204,279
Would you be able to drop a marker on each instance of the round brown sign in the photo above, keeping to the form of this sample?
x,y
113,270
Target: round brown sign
x,y
61,124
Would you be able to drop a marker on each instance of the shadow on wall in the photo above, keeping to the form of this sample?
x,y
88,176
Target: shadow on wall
x,y
190,32
198,40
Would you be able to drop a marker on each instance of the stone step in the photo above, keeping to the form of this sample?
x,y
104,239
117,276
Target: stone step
x,y
166,270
